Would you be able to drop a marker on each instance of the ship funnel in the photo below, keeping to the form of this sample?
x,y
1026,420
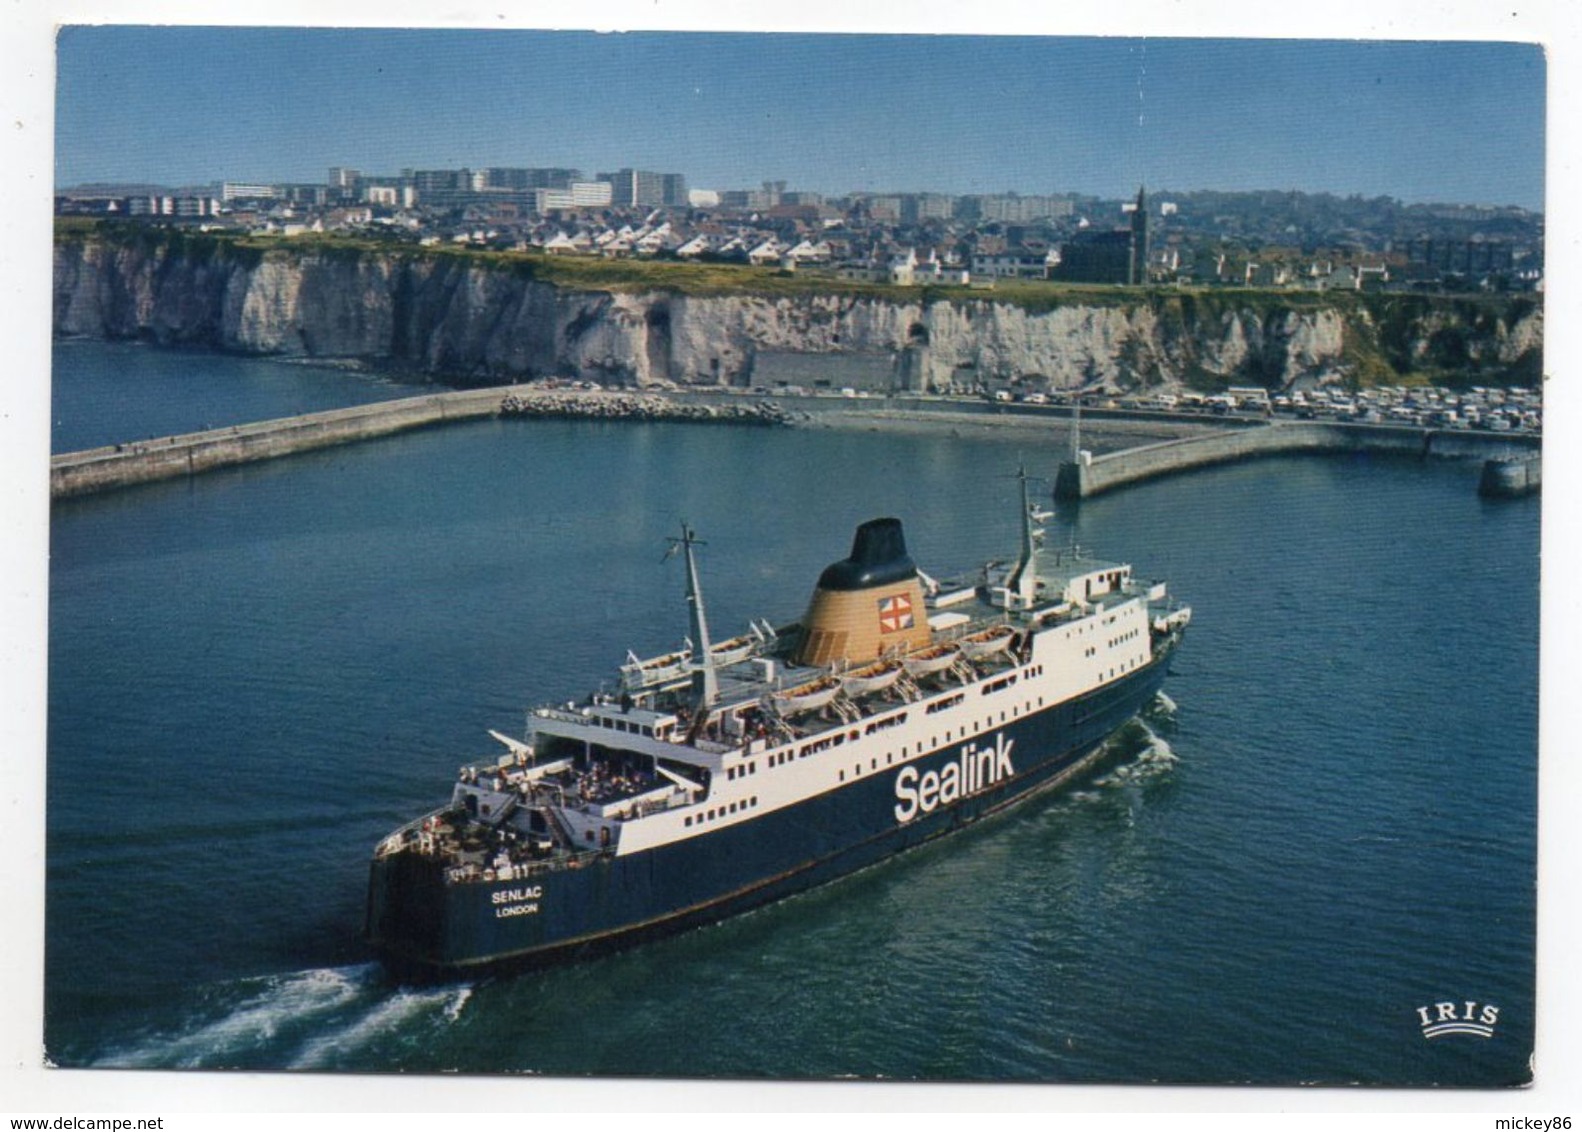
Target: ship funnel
x,y
868,604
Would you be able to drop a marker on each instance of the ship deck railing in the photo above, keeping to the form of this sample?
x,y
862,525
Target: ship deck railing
x,y
676,738
474,873
409,834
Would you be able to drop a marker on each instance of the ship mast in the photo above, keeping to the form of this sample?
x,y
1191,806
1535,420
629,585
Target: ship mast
x,y
1023,579
705,682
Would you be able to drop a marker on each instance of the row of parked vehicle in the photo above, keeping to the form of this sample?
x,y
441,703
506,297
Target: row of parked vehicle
x,y
1499,410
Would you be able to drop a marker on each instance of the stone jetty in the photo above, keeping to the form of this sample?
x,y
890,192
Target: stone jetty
x,y
567,404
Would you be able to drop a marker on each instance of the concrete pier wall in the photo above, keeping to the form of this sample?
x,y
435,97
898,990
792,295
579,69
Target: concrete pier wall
x,y
98,469
1510,478
1115,469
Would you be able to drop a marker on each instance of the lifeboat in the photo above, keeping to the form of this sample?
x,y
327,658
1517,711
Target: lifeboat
x,y
870,678
637,673
807,697
984,644
931,660
737,649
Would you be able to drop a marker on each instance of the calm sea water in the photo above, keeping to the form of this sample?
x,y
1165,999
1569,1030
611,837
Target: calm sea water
x,y
254,675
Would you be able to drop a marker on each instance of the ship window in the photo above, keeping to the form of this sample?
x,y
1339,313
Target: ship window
x,y
732,807
842,777
687,822
589,835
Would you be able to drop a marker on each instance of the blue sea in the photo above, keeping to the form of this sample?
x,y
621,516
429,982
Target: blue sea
x,y
255,674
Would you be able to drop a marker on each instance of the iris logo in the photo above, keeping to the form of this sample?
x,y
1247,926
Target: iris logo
x,y
1445,1018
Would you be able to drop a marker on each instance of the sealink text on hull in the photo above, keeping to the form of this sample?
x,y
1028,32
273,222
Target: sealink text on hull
x,y
726,775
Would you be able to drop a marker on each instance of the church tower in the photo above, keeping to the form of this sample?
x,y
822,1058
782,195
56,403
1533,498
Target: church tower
x,y
1137,268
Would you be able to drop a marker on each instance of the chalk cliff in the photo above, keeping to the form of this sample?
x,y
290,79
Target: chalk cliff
x,y
469,320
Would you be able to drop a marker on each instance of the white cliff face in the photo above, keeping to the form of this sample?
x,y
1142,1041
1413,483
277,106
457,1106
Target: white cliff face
x,y
1314,341
262,312
467,322
1524,336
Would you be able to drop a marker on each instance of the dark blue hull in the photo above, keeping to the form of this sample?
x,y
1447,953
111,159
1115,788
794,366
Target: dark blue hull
x,y
423,926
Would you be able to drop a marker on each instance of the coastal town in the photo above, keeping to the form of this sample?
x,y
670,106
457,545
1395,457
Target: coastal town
x,y
1269,240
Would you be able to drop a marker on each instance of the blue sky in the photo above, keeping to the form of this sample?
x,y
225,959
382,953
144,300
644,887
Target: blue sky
x,y
1419,121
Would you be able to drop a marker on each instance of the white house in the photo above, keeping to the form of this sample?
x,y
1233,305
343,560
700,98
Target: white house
x,y
766,253
694,247
807,252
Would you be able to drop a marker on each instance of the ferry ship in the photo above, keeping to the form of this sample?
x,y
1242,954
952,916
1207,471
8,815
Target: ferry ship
x,y
726,775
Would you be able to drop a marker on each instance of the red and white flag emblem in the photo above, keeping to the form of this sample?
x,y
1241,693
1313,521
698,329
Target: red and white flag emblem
x,y
895,613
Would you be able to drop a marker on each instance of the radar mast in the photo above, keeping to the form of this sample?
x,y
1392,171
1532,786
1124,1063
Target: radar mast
x,y
705,681
1023,579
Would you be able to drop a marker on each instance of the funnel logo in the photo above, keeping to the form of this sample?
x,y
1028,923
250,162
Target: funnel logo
x,y
1445,1018
895,613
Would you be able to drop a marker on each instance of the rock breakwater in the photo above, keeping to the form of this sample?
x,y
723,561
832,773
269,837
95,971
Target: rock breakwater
x,y
580,405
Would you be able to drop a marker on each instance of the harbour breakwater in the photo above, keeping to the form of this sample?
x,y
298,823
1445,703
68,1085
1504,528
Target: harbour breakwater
x,y
639,407
1093,475
477,318
121,465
